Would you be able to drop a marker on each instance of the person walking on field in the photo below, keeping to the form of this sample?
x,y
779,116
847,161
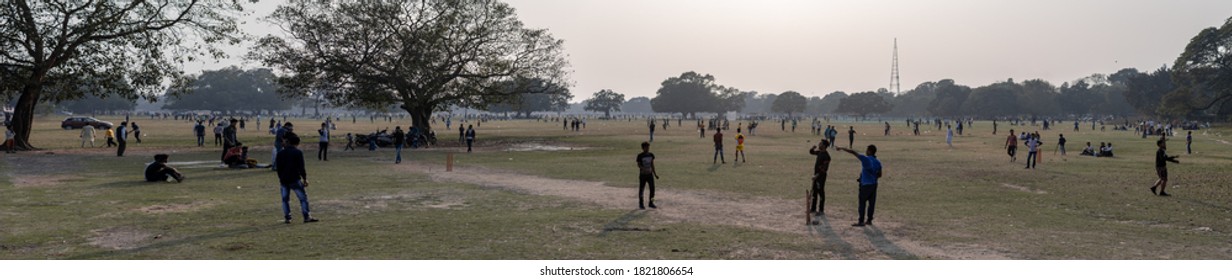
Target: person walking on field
x,y
887,129
87,135
740,147
1189,143
350,142
1032,146
718,144
110,135
470,137
646,175
652,129
1011,146
851,136
1061,144
323,150
821,168
293,177
870,171
121,138
1161,167
199,131
399,141
136,132
218,134
949,136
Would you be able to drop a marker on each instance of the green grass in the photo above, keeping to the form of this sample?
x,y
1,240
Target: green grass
x,y
88,204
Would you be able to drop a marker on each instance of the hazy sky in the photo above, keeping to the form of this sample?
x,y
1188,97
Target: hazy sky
x,y
817,47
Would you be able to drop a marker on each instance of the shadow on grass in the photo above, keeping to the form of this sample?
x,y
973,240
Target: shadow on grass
x,y
173,243
713,167
826,231
622,223
886,246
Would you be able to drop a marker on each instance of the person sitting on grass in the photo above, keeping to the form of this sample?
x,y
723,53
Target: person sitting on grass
x,y
237,157
1100,152
1088,151
159,171
1108,150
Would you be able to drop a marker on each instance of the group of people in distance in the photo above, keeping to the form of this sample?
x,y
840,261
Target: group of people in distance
x,y
1105,150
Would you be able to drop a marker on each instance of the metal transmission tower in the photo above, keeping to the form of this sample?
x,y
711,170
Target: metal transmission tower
x,y
895,85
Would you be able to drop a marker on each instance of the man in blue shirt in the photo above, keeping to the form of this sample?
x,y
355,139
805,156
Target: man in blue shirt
x,y
199,131
869,173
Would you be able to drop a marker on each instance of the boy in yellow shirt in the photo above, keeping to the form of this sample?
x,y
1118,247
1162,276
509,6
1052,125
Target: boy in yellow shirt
x,y
740,146
110,137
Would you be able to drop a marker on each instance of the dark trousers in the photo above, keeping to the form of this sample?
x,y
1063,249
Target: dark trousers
x,y
718,153
200,140
819,195
642,181
217,139
469,143
323,152
120,148
111,142
1188,150
1031,159
868,196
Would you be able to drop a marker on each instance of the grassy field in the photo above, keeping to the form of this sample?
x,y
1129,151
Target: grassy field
x,y
968,202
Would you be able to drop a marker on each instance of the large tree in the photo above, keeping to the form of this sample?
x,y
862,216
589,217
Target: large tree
x,y
231,89
57,50
790,103
91,104
1203,75
637,105
605,101
693,93
1144,91
950,98
864,104
419,55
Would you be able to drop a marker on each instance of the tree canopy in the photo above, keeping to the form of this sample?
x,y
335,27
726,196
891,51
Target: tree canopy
x,y
1203,75
231,89
419,55
605,101
57,50
863,104
694,93
789,103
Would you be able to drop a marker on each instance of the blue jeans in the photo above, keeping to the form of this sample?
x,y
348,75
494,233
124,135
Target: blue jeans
x,y
298,188
200,140
398,148
718,153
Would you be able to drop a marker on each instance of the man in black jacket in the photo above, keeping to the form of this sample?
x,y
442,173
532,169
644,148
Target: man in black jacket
x,y
293,177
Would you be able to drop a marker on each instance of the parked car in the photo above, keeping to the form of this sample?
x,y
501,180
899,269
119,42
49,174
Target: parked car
x,y
79,122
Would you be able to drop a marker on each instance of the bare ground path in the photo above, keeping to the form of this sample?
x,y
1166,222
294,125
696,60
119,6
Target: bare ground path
x,y
874,242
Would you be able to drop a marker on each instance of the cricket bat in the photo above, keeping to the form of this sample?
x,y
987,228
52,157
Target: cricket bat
x,y
808,201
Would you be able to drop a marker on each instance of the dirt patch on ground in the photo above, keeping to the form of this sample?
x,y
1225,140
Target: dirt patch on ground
x,y
724,209
174,208
1024,189
120,238
404,200
29,181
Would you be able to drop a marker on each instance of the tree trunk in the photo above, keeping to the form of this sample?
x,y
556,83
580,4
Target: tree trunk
x,y
23,115
420,116
607,114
